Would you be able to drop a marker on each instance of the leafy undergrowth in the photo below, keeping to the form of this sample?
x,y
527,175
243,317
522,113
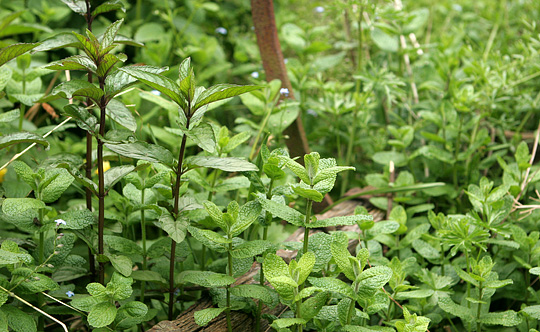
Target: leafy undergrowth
x,y
141,187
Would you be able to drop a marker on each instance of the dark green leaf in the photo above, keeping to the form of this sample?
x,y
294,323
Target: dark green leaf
x,y
22,137
14,50
227,164
83,117
143,151
108,6
222,91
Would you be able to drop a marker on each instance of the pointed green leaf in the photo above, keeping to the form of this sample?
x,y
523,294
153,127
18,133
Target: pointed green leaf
x,y
22,137
247,215
341,254
122,264
159,82
333,285
446,304
251,248
76,62
143,151
283,323
533,311
274,266
371,280
306,263
222,91
311,307
18,320
256,292
17,206
90,47
102,314
308,193
206,278
120,114
14,50
11,115
78,6
339,221
299,170
108,6
175,228
109,34
184,69
283,211
203,317
227,164
330,172
120,80
107,64
75,88
505,318
203,136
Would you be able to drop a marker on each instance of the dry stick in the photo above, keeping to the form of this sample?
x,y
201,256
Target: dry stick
x,y
34,307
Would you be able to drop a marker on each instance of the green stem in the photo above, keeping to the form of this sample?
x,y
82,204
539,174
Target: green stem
x,y
478,312
22,108
457,148
176,194
41,257
299,314
230,264
101,181
306,222
259,133
143,235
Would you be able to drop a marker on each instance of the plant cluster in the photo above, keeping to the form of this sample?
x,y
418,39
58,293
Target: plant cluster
x,y
136,192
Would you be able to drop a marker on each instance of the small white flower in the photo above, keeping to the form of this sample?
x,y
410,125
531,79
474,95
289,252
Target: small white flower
x,y
221,31
255,74
319,9
312,112
60,222
155,92
70,293
285,60
284,92
457,7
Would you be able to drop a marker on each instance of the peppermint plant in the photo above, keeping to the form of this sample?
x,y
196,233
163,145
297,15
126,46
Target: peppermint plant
x,y
192,102
233,222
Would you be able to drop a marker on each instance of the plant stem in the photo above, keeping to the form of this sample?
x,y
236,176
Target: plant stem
x,y
143,235
299,315
101,181
176,194
22,108
306,222
478,323
230,265
41,257
259,133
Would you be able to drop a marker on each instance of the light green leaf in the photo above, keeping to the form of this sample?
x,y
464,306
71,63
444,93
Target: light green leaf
x,y
17,206
254,291
61,182
533,311
109,34
305,264
102,314
251,248
339,221
209,238
247,214
159,82
227,164
446,304
425,249
18,320
298,169
222,91
311,307
332,285
371,280
274,266
9,116
75,88
122,264
78,219
143,151
341,254
206,278
384,41
131,314
120,114
108,6
175,228
203,136
505,318
115,174
21,137
75,62
283,323
415,294
203,317
308,193
283,211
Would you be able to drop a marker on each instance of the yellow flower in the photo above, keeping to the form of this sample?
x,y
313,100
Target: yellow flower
x,y
2,173
106,167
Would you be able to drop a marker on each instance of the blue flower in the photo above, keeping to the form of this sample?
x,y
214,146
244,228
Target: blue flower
x,y
155,92
319,9
221,31
312,112
457,7
255,74
70,293
284,92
